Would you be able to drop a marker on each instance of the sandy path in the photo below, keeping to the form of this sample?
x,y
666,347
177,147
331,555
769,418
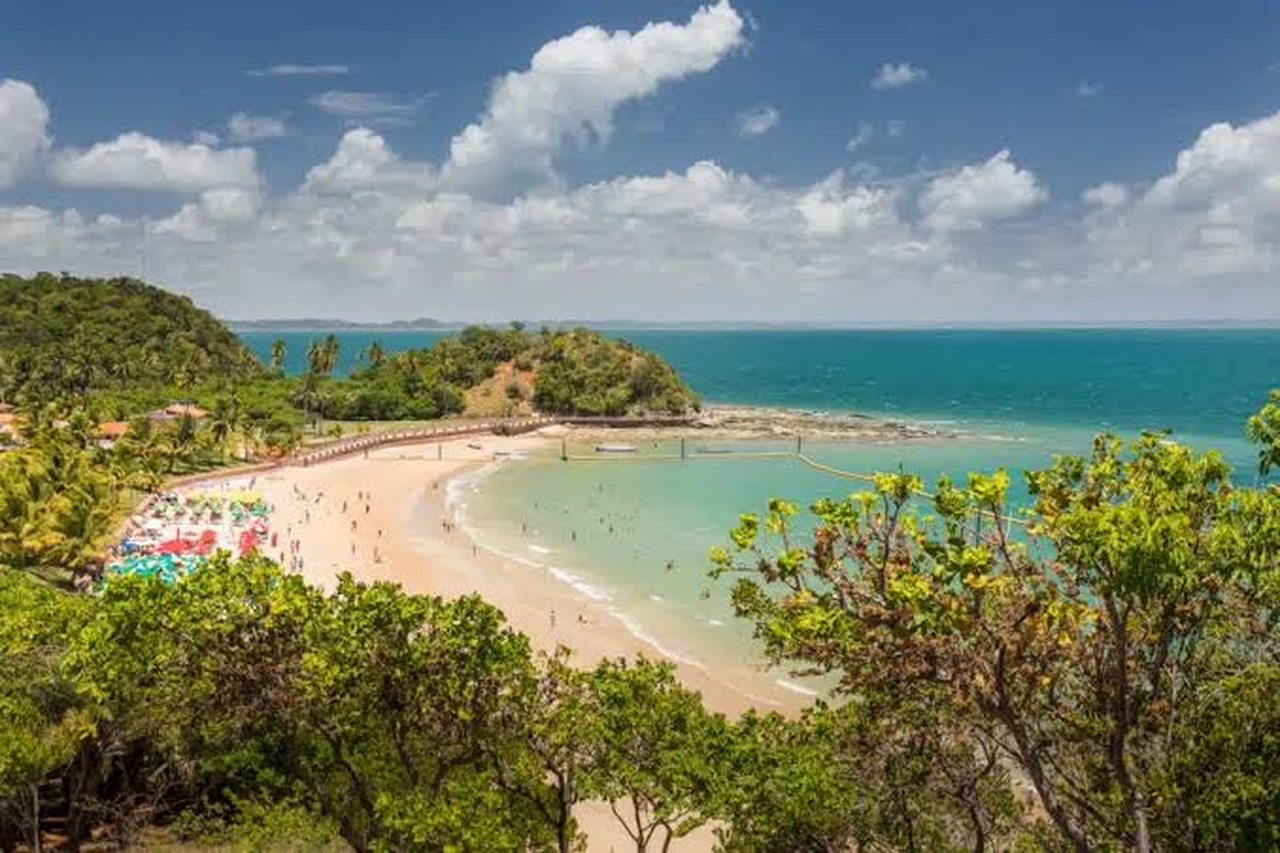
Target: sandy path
x,y
382,516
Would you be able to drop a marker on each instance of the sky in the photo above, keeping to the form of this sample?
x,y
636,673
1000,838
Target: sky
x,y
841,162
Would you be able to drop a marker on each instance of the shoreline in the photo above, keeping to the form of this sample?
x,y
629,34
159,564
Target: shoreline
x,y
402,524
732,421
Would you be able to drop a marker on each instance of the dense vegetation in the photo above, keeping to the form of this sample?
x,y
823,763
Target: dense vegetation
x,y
120,348
63,335
63,492
502,372
1107,679
1098,672
1119,661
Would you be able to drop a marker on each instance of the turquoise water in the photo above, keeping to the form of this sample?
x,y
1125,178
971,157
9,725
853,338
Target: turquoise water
x,y
350,345
1198,381
636,532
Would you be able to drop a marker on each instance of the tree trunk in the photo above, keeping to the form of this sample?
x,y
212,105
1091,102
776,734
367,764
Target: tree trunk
x,y
1030,762
81,781
35,820
564,839
564,834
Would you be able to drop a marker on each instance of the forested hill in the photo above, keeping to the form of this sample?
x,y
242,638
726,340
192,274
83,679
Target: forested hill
x,y
62,335
133,346
484,371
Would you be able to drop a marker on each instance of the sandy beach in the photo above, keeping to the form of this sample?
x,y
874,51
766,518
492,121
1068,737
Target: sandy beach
x,y
385,515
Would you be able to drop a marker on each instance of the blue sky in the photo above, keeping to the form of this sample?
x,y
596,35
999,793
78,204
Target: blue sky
x,y
960,178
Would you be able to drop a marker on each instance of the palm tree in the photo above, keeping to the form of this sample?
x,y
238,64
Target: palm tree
x,y
277,356
308,396
374,354
329,353
251,436
315,358
225,421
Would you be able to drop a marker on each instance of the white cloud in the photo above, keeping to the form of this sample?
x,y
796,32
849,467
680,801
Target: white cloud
x,y
895,128
1225,161
897,75
137,161
757,121
1216,215
363,161
216,209
970,197
570,91
243,127
372,234
1106,195
1086,89
363,105
830,208
24,120
860,138
291,70
206,137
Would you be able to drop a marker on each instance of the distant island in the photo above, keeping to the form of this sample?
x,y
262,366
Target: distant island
x,y
310,324
615,325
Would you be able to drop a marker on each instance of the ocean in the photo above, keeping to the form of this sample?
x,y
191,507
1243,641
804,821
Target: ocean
x,y
636,533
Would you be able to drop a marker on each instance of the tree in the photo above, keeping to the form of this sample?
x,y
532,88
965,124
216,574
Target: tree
x,y
1264,429
1071,650
374,354
329,349
557,724
315,359
1219,791
786,787
39,721
657,753
226,421
278,353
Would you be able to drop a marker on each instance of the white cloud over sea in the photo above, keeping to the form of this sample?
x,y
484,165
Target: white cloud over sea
x,y
24,120
493,229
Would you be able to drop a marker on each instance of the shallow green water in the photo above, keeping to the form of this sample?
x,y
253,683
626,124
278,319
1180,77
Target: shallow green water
x,y
637,532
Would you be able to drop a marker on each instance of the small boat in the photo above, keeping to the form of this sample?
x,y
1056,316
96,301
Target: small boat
x,y
615,448
475,445
713,450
